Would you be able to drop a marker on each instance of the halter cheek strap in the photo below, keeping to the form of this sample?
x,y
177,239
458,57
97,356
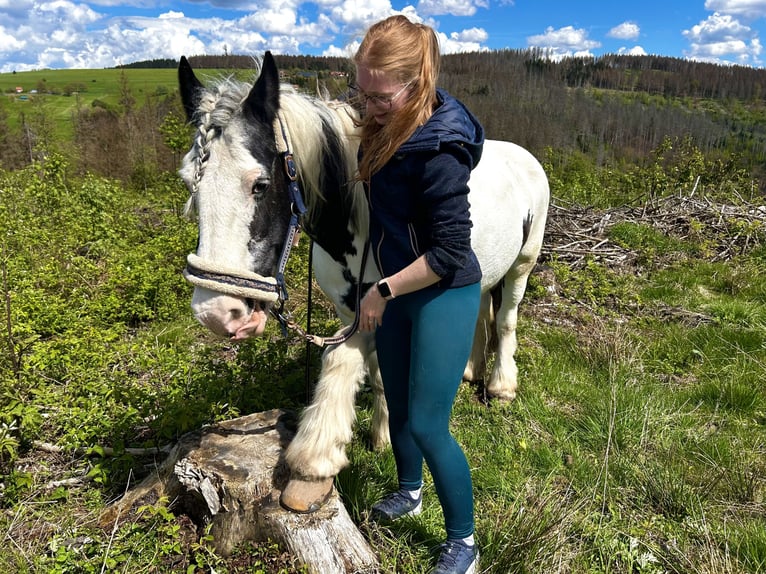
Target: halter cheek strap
x,y
298,209
297,206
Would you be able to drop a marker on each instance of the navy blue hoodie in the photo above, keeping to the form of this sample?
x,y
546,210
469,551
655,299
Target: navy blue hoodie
x,y
419,199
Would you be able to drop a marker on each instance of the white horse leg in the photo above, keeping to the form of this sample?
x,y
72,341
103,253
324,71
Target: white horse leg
x,y
503,382
477,362
380,436
318,451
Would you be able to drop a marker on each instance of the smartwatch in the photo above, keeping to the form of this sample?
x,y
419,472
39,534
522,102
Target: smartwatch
x,y
384,289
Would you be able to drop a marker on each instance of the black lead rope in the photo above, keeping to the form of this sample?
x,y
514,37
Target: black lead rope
x,y
308,321
287,323
326,341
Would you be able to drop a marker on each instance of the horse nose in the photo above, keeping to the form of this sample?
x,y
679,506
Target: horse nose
x,y
222,314
239,313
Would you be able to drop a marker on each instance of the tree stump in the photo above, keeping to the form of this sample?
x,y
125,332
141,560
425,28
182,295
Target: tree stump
x,y
230,475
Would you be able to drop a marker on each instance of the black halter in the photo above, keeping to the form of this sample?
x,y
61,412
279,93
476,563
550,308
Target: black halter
x,y
297,206
297,210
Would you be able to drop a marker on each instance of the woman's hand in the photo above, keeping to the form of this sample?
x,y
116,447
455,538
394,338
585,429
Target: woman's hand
x,y
371,310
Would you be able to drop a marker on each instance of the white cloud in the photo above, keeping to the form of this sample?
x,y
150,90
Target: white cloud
x,y
45,34
466,41
564,42
75,16
279,20
452,7
171,15
471,35
10,43
723,38
625,31
750,9
634,51
334,51
717,27
14,11
355,16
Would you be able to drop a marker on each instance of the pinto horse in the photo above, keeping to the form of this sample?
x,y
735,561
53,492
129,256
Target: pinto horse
x,y
266,159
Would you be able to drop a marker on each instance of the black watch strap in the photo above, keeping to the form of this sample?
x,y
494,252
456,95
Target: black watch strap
x,y
384,289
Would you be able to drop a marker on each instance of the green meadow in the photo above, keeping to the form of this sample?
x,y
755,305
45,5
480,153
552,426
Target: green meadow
x,y
70,88
62,93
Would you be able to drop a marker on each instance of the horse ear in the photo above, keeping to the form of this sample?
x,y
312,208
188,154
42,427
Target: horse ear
x,y
263,100
190,88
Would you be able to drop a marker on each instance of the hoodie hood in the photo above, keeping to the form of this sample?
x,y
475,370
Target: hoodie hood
x,y
451,123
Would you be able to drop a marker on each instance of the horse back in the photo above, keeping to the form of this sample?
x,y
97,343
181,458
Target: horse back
x,y
509,204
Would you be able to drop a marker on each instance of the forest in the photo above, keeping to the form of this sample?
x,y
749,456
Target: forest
x,y
603,113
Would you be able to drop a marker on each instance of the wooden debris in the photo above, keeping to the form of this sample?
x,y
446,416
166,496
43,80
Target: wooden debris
x,y
577,234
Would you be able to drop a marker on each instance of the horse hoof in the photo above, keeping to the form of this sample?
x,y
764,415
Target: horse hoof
x,y
306,496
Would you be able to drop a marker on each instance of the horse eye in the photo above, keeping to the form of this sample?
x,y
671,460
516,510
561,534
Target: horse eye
x,y
260,187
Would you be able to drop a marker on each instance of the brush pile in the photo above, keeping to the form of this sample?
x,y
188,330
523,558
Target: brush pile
x,y
577,234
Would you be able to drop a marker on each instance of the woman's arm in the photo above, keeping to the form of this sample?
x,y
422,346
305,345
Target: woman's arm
x,y
415,276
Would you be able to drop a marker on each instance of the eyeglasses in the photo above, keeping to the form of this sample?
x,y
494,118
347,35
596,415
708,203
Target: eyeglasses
x,y
377,99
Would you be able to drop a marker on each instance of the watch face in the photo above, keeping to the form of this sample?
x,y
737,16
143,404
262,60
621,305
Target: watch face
x,y
384,289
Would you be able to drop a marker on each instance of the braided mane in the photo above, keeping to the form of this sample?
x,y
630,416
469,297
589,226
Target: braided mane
x,y
218,106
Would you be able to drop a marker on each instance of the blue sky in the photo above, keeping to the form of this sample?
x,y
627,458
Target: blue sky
x,y
39,34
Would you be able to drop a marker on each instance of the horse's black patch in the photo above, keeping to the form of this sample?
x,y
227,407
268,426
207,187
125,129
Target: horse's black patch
x,y
330,225
526,227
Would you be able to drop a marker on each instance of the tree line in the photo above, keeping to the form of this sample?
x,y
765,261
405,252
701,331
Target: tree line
x,y
573,106
668,76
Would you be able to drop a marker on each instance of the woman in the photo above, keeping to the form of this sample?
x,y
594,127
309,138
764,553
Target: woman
x,y
418,147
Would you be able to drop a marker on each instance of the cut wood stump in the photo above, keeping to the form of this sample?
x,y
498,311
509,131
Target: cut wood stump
x,y
230,475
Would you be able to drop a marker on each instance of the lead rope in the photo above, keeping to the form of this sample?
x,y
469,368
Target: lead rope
x,y
288,323
308,321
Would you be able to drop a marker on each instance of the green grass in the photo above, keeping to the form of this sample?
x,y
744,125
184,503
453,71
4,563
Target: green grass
x,y
91,83
73,90
61,94
636,443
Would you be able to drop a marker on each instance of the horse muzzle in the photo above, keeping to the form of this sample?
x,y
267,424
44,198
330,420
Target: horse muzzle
x,y
227,316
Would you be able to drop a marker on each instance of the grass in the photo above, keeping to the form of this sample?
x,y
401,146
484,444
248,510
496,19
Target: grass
x,y
611,460
61,94
636,444
64,92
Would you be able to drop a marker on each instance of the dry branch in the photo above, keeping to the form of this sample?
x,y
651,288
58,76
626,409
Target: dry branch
x,y
577,234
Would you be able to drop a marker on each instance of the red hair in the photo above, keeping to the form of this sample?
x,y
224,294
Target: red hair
x,y
407,53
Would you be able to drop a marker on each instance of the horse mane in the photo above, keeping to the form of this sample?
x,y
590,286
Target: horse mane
x,y
325,140
217,106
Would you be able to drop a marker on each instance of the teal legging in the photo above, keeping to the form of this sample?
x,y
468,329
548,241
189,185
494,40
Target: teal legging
x,y
423,346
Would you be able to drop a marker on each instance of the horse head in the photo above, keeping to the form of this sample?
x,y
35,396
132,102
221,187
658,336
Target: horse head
x,y
236,177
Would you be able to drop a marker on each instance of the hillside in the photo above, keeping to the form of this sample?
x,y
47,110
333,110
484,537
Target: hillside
x,y
607,113
635,444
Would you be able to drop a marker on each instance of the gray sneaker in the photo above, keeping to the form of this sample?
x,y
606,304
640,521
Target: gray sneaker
x,y
396,505
457,558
